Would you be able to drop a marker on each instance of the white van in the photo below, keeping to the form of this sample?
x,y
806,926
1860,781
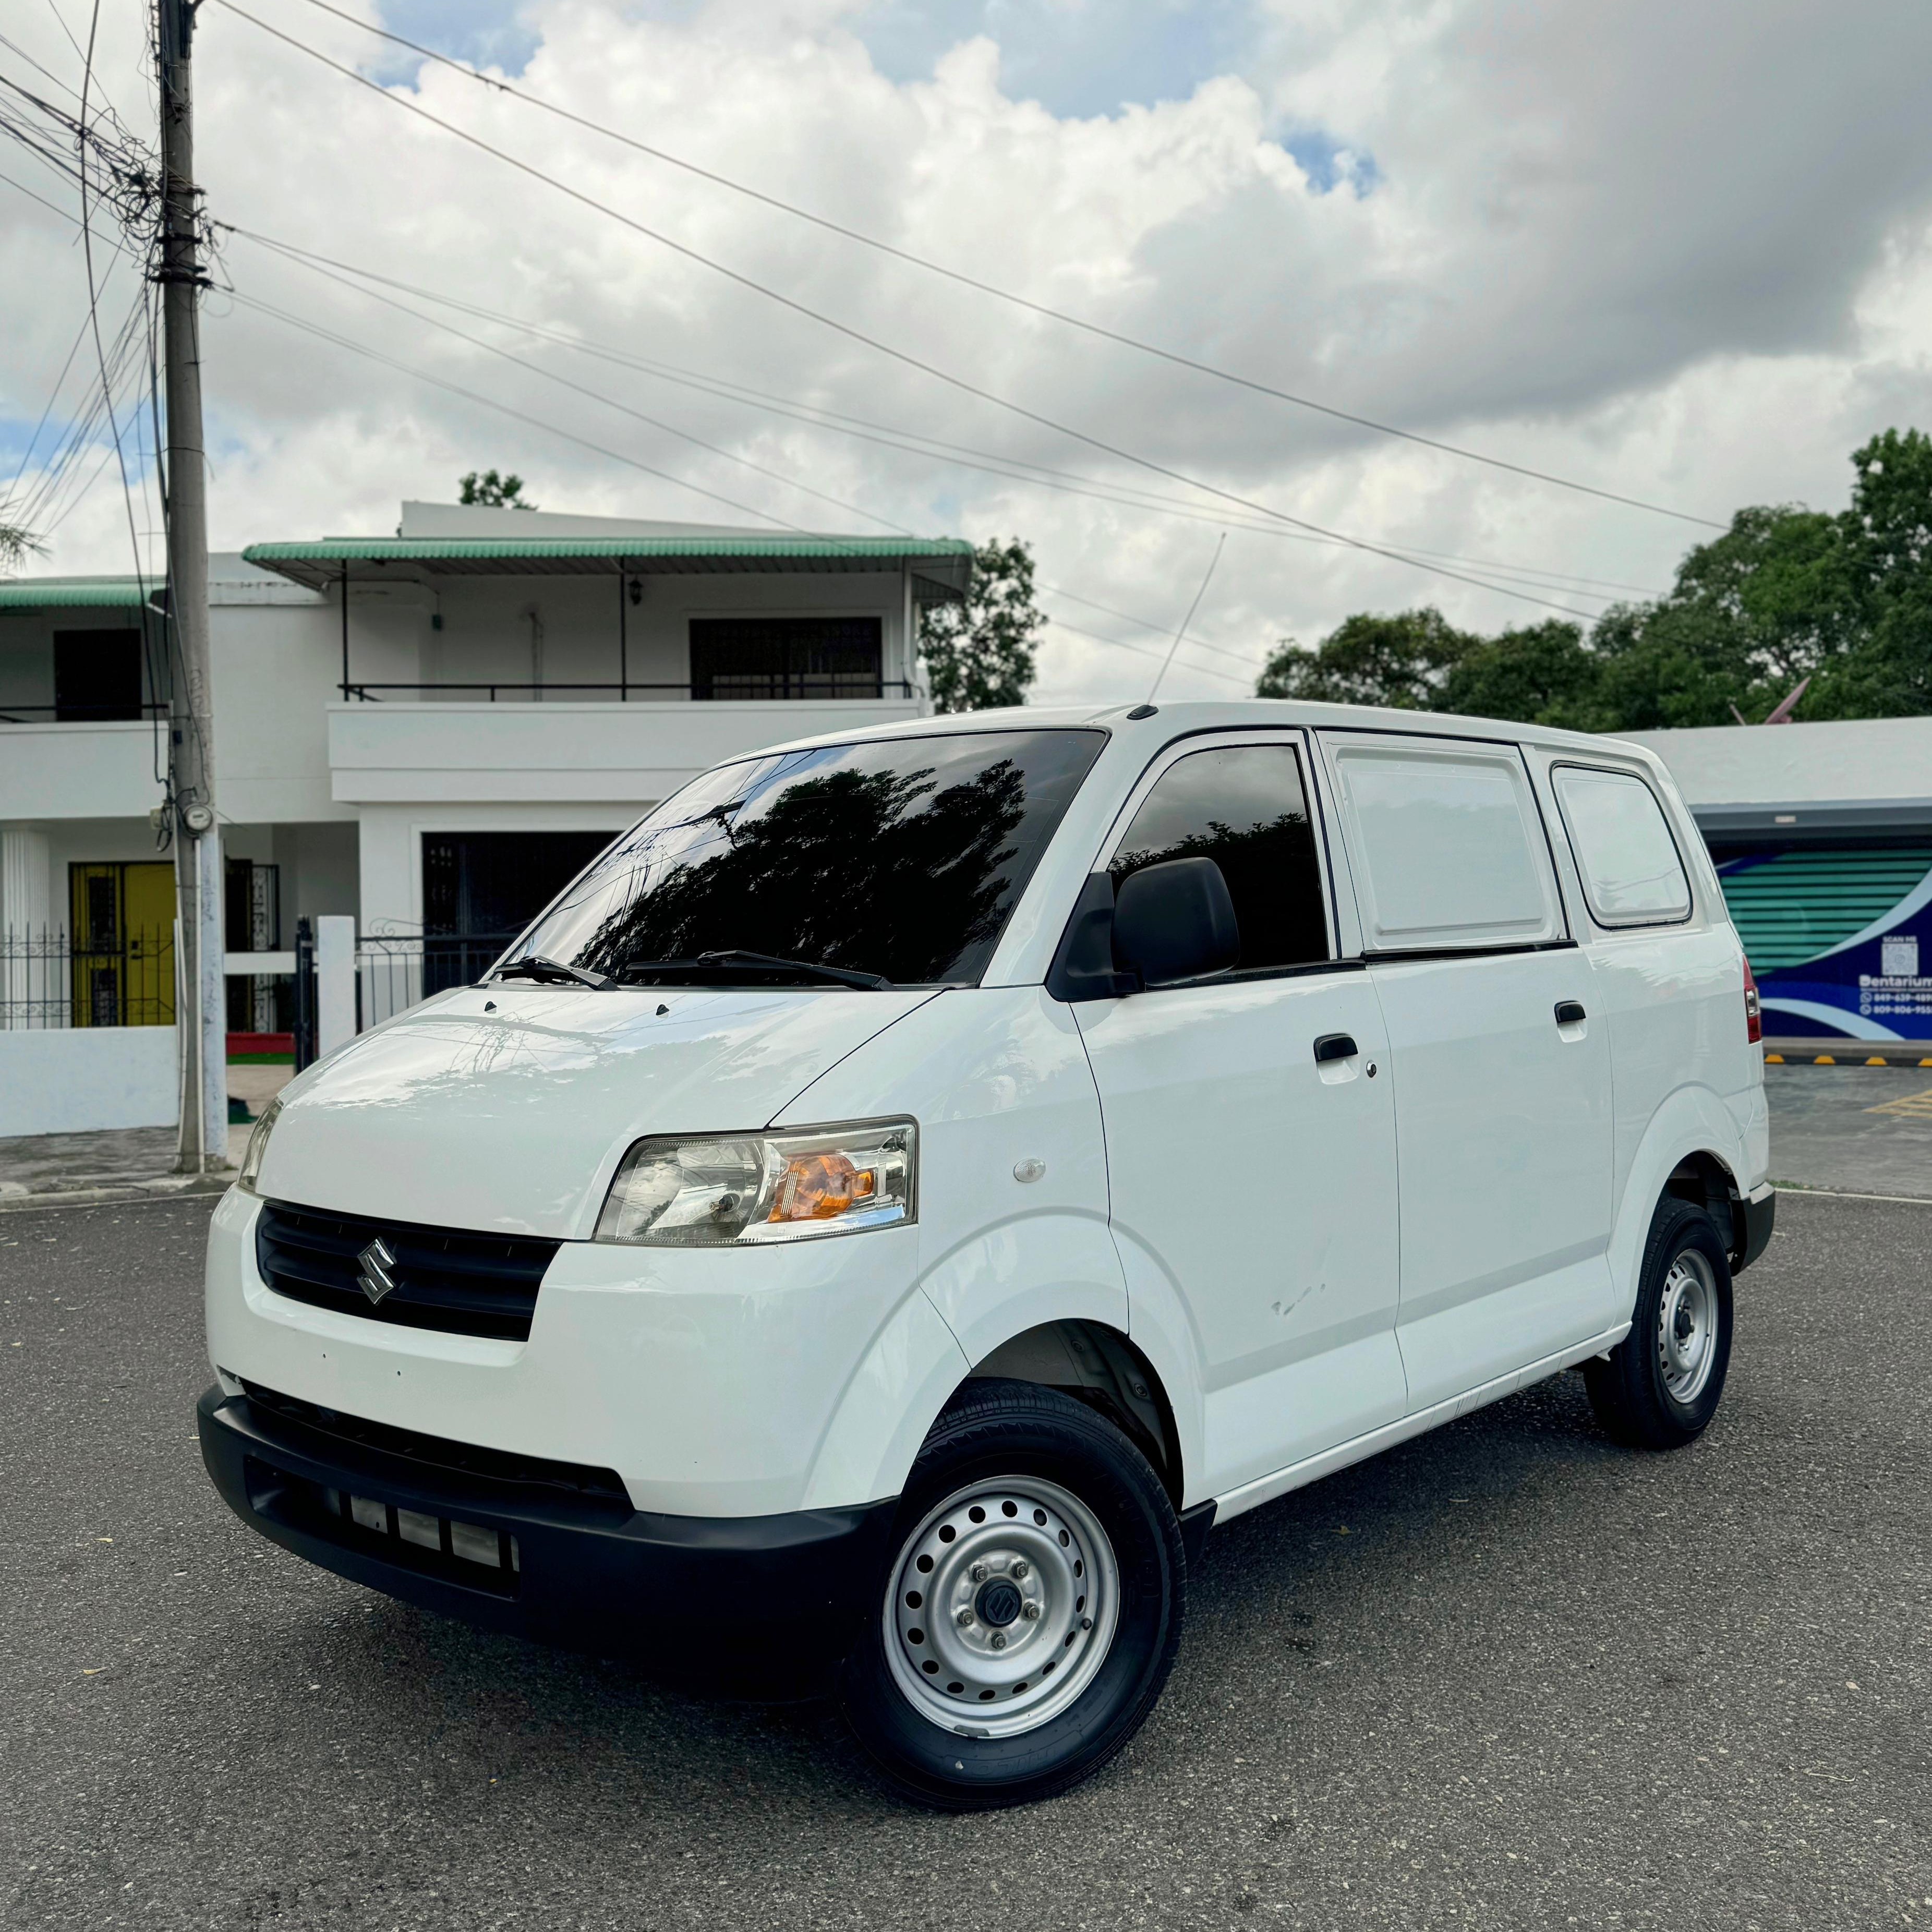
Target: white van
x,y
913,1184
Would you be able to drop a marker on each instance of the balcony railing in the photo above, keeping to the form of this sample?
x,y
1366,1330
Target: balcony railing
x,y
736,687
80,714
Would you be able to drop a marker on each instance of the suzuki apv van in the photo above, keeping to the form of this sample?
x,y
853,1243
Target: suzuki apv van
x,y
914,1184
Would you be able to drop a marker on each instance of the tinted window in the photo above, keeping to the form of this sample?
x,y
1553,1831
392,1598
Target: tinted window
x,y
1632,873
902,856
1447,846
1244,807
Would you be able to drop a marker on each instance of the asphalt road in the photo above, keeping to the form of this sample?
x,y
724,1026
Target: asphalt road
x,y
1506,1675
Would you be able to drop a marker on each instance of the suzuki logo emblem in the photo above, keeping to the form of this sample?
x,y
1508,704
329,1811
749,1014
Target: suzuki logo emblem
x,y
377,1277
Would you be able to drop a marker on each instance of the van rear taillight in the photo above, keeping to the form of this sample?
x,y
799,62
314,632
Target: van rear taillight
x,y
1753,1008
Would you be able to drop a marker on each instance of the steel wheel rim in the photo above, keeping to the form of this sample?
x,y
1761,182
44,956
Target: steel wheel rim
x,y
1003,1605
1687,1327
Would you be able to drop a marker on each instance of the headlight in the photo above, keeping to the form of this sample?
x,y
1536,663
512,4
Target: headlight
x,y
744,1190
258,1145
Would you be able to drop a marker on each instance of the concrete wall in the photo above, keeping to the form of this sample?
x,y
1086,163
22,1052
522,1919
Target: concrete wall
x,y
71,1080
275,652
50,771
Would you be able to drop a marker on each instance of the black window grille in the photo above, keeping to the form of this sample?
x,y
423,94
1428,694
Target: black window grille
x,y
786,657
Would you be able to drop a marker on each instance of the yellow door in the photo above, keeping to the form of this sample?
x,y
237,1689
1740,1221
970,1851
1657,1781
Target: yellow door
x,y
149,896
124,958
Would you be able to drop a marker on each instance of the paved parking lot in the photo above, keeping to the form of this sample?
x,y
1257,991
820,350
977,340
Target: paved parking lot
x,y
1867,1129
1506,1676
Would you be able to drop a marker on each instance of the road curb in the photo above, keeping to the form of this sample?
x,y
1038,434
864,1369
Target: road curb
x,y
165,1187
1910,1053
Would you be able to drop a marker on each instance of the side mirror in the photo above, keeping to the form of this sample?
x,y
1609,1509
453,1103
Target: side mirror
x,y
1175,921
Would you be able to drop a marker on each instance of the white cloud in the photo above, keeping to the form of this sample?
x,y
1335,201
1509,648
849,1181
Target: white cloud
x,y
1676,251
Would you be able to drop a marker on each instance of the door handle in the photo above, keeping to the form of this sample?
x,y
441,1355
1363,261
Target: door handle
x,y
1570,1013
1335,1046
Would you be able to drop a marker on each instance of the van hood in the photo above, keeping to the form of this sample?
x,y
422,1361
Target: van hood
x,y
509,1107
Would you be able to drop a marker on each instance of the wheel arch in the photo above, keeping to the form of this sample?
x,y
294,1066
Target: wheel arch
x,y
1100,1366
1691,1151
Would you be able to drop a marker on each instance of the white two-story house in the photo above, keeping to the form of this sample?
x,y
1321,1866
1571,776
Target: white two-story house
x,y
429,731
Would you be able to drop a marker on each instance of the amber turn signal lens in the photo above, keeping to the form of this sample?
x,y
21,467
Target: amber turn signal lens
x,y
820,1187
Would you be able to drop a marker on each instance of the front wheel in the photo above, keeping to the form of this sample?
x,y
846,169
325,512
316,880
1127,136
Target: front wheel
x,y
1660,1386
1031,1608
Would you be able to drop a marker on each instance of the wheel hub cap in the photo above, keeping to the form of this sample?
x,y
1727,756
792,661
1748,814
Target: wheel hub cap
x,y
1003,1605
1687,1327
998,1603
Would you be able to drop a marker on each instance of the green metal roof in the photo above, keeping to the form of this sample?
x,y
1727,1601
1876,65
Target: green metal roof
x,y
947,562
74,593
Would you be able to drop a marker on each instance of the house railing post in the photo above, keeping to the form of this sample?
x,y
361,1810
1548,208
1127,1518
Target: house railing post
x,y
305,1052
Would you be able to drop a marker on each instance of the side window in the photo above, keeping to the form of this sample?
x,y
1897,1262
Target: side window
x,y
1245,807
1447,845
1633,872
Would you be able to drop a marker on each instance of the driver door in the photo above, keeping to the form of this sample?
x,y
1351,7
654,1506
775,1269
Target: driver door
x,y
1256,1180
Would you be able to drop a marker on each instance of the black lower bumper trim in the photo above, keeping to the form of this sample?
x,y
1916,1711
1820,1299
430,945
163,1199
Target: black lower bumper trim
x,y
1755,1220
693,1596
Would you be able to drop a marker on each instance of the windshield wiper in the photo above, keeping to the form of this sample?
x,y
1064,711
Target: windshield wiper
x,y
722,961
552,972
839,976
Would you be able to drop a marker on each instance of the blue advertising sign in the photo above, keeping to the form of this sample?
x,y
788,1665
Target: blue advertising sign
x,y
1841,942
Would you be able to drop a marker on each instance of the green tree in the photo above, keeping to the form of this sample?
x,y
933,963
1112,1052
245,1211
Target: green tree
x,y
499,492
17,544
1402,660
1887,542
1542,674
1785,594
979,654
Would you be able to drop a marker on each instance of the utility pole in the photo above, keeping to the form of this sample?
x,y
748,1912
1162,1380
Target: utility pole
x,y
201,1017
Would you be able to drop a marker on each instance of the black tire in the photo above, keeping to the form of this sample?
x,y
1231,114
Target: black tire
x,y
995,1431
1632,1391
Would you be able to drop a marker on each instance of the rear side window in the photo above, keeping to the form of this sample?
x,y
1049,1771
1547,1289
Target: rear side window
x,y
1245,807
1448,848
1633,872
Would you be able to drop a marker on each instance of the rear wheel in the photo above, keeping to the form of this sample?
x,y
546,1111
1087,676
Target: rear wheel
x,y
1660,1386
1031,1608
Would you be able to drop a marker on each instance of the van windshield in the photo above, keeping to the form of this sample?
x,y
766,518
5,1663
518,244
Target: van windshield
x,y
901,858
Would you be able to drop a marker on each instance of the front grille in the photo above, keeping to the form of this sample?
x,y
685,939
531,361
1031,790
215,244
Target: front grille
x,y
302,1422
449,1278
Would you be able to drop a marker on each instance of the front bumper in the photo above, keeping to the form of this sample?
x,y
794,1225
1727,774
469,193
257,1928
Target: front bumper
x,y
758,1603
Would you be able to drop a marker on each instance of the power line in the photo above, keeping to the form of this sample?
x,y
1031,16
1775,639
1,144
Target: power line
x,y
1054,590
504,409
965,281
1139,650
1147,624
858,335
347,343
1198,643
610,402
893,437
93,319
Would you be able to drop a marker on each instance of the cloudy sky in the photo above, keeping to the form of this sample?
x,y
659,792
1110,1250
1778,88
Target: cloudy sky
x,y
1673,250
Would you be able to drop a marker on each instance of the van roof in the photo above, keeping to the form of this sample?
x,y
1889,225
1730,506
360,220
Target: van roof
x,y
1167,720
